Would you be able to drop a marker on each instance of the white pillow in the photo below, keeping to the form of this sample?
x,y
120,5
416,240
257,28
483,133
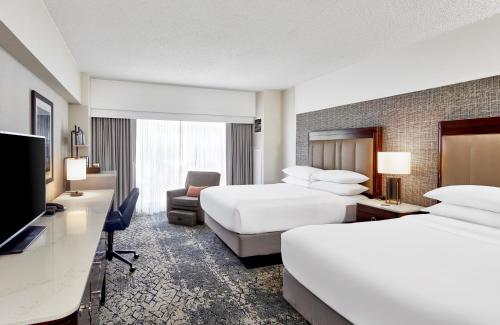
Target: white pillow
x,y
478,216
339,189
339,176
472,196
302,172
296,181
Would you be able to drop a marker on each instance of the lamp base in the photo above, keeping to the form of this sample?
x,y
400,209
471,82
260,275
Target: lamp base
x,y
393,190
76,193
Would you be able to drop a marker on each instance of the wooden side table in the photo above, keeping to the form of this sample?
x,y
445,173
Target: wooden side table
x,y
373,210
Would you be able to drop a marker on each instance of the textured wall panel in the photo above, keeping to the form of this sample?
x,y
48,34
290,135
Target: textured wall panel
x,y
410,123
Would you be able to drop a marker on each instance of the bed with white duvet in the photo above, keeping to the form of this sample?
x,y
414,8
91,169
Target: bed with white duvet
x,y
418,269
253,209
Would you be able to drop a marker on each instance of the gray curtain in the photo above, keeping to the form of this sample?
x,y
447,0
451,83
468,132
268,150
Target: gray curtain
x,y
113,147
239,154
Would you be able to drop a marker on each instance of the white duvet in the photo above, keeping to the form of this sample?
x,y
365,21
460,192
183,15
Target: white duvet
x,y
420,269
253,209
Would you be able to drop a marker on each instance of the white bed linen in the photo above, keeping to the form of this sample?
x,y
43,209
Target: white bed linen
x,y
420,269
253,209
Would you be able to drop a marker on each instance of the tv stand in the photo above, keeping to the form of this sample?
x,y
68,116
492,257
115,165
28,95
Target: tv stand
x,y
19,243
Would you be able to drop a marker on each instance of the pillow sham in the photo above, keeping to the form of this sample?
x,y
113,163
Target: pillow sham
x,y
338,188
194,191
478,216
472,196
339,176
302,172
296,181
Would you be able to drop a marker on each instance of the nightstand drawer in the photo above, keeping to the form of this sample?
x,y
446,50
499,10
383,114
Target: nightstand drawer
x,y
366,213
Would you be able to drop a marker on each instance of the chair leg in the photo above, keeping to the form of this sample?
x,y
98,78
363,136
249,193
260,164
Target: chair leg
x,y
136,256
121,258
110,253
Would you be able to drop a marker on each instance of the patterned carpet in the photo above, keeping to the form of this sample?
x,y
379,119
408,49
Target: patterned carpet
x,y
188,276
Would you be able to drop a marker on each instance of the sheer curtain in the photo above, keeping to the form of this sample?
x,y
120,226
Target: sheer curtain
x,y
167,150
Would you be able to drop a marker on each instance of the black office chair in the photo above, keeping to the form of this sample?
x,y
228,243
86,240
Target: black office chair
x,y
120,220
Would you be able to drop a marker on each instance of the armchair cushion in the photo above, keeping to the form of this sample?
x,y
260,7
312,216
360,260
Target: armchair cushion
x,y
187,201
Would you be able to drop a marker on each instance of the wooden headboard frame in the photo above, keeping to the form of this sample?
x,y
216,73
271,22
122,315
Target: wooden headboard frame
x,y
478,126
374,133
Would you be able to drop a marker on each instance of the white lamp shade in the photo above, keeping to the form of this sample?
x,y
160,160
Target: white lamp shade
x,y
76,169
394,163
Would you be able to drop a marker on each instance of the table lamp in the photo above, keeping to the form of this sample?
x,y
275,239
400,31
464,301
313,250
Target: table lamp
x,y
391,164
76,169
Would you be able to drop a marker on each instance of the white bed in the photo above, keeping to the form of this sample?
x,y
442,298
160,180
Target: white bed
x,y
419,269
254,209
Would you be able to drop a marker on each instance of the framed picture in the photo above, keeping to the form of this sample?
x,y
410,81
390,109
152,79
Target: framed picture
x,y
42,121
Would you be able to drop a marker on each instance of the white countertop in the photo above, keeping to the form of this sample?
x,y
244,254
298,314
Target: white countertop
x,y
46,282
399,208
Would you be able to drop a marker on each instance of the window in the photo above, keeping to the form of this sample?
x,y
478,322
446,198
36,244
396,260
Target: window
x,y
167,150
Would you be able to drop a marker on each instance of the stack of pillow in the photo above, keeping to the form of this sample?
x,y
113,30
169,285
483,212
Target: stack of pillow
x,y
471,203
340,182
299,175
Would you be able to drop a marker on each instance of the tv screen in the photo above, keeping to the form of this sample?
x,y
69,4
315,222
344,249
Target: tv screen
x,y
23,180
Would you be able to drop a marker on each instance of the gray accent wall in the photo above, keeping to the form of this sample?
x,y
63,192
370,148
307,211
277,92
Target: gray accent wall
x,y
410,123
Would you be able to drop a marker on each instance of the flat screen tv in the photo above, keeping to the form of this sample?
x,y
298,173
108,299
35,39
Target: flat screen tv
x,y
22,165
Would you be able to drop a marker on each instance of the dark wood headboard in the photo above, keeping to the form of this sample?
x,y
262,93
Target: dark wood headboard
x,y
469,152
349,149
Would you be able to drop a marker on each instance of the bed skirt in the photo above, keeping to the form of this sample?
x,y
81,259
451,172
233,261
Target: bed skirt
x,y
247,245
308,305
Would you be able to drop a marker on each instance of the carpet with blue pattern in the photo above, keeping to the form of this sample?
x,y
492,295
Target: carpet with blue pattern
x,y
186,275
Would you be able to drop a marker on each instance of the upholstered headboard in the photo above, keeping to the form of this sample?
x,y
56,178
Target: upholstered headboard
x,y
469,152
348,149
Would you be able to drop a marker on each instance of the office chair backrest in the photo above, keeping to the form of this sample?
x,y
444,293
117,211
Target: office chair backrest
x,y
128,206
202,178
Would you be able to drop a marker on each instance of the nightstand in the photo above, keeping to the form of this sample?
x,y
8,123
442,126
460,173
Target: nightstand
x,y
373,210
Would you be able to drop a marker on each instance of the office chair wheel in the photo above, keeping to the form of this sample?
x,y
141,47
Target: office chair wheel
x,y
136,256
132,269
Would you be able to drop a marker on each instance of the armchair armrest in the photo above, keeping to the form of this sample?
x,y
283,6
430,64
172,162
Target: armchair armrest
x,y
174,193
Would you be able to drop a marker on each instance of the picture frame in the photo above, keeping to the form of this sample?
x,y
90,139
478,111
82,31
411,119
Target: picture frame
x,y
42,123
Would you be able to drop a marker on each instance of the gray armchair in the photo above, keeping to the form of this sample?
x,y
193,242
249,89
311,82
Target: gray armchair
x,y
177,199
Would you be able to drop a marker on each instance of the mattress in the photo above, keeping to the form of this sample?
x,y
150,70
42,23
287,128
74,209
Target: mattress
x,y
253,209
419,269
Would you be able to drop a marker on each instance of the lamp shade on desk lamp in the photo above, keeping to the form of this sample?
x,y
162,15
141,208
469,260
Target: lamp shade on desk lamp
x,y
394,163
76,169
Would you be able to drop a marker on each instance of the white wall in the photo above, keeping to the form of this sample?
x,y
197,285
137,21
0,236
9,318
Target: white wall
x,y
267,143
16,83
288,127
258,143
468,53
33,36
111,98
79,115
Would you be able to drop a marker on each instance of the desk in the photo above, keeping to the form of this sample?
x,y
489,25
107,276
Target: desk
x,y
48,281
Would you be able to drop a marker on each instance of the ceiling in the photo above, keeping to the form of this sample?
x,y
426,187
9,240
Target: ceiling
x,y
247,45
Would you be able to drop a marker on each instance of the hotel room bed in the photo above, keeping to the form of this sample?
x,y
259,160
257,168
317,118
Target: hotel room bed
x,y
420,269
440,268
253,209
251,218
